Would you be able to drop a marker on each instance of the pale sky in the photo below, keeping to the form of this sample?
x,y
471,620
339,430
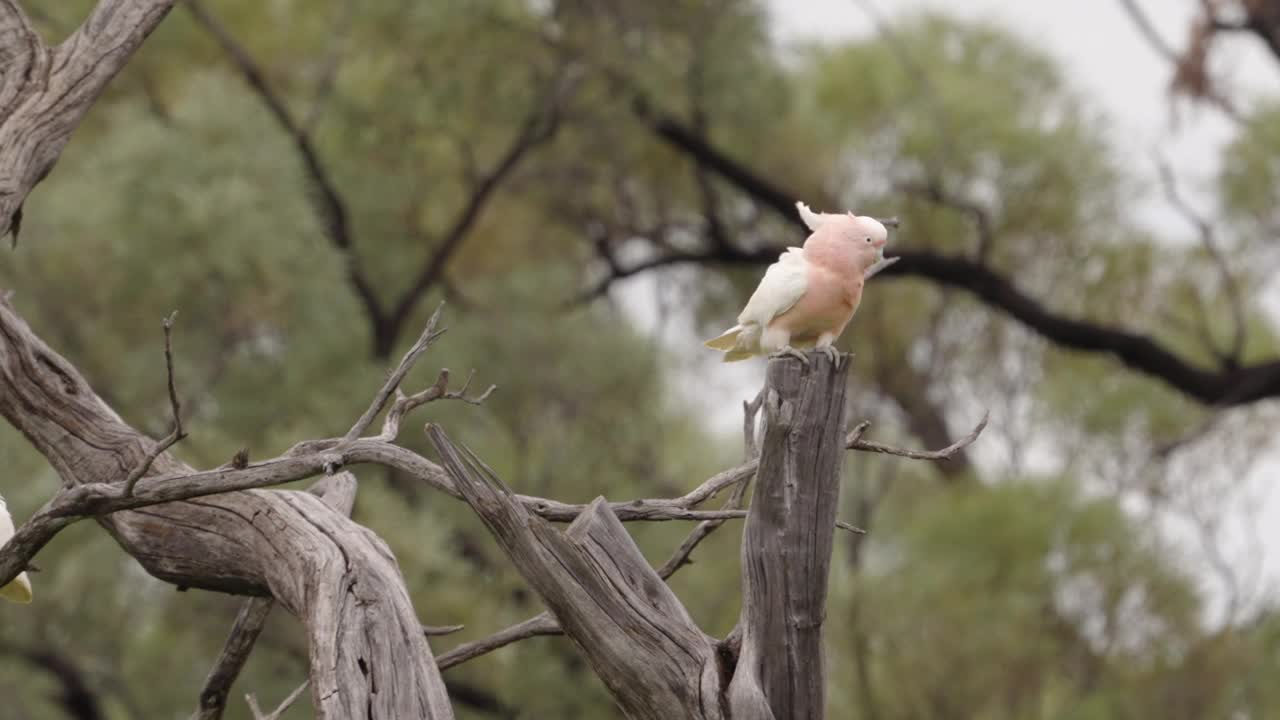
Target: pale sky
x,y
1098,44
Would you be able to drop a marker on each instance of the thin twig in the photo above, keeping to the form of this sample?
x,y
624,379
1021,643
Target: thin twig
x,y
439,390
1179,61
538,625
545,624
680,557
440,630
854,442
1208,240
341,32
933,193
424,341
177,433
284,706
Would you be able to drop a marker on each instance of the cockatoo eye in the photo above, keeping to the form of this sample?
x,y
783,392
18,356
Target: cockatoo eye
x,y
868,239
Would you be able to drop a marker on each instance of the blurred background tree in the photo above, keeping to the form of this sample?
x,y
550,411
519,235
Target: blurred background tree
x,y
303,181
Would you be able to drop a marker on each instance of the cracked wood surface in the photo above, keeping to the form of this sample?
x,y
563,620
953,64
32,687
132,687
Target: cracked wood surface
x,y
633,631
45,91
368,654
787,543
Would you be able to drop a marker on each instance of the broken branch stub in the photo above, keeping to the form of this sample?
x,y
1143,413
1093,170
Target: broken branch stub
x,y
787,543
631,628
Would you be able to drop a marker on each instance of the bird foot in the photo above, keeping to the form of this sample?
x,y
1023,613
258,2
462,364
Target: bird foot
x,y
832,354
788,351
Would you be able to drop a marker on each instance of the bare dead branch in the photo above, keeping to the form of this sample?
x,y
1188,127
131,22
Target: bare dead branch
x,y
45,92
628,624
388,388
438,391
244,634
856,443
441,630
252,700
309,556
544,624
680,557
337,491
536,626
177,433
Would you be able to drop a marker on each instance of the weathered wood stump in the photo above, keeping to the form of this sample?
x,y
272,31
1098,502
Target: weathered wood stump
x,y
787,543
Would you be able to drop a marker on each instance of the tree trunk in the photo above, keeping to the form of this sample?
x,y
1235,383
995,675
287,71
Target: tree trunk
x,y
787,543
369,658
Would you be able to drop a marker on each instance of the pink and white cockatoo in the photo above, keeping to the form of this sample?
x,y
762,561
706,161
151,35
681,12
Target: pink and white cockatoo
x,y
809,295
19,590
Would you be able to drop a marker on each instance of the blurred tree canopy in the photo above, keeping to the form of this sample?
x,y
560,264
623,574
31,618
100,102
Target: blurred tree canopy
x,y
387,155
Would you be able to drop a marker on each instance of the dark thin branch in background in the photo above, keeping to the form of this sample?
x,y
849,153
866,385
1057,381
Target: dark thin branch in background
x,y
1222,385
933,193
1148,31
387,323
328,202
78,700
341,34
539,127
1183,65
1209,241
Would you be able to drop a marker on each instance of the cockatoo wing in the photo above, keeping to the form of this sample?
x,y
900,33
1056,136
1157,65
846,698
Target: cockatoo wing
x,y
783,285
815,220
20,589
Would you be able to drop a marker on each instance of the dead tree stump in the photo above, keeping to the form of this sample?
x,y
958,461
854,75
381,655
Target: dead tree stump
x,y
787,543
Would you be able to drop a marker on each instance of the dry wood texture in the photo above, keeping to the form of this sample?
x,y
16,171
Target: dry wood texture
x,y
786,545
368,654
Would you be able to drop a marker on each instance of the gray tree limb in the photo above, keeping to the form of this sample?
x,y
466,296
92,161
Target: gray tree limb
x,y
629,625
339,492
366,646
46,91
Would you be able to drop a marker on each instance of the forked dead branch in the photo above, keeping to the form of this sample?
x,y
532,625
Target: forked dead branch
x,y
34,376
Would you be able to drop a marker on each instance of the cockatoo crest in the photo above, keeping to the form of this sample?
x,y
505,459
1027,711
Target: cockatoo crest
x,y
816,220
